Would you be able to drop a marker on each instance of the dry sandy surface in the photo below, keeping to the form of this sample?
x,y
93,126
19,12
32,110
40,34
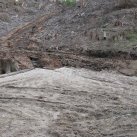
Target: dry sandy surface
x,y
68,102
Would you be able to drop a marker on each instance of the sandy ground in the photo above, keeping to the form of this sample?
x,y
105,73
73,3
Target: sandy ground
x,y
68,102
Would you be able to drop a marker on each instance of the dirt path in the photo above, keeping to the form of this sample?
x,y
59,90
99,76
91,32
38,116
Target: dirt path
x,y
14,35
68,103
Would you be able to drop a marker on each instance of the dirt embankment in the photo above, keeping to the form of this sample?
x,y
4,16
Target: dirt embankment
x,y
68,103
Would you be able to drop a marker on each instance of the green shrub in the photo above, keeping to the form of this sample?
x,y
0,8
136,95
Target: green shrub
x,y
131,36
69,2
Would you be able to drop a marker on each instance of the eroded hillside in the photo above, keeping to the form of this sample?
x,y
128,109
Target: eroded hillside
x,y
95,39
68,102
96,35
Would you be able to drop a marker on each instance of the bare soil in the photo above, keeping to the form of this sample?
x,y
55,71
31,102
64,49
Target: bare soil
x,y
68,102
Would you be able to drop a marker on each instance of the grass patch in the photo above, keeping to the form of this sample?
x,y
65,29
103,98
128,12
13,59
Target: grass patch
x,y
132,36
69,2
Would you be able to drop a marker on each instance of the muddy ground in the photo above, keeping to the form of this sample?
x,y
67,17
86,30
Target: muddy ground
x,y
68,102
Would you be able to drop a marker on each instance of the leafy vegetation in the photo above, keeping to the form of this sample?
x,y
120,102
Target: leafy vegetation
x,y
131,36
69,2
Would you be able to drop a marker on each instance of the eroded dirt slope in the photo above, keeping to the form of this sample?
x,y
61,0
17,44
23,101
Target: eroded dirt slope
x,y
68,103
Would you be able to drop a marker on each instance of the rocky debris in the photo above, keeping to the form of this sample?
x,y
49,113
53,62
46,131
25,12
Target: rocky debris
x,y
7,66
129,69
